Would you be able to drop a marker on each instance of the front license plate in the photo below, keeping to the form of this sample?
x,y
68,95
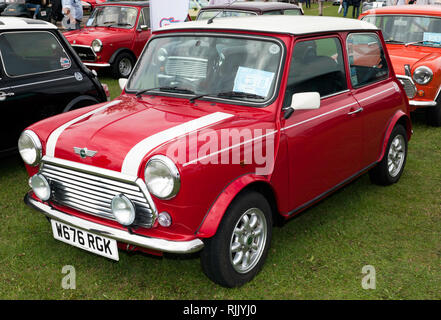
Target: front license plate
x,y
85,240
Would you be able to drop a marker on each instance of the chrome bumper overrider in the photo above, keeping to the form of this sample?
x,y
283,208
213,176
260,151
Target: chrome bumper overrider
x,y
181,247
422,103
97,65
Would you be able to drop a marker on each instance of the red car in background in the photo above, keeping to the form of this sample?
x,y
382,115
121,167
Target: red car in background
x,y
113,37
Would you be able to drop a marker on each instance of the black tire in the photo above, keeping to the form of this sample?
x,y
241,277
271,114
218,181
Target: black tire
x,y
389,170
118,71
434,115
216,257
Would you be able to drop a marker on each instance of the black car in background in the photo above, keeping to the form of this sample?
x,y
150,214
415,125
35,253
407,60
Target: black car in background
x,y
40,76
3,5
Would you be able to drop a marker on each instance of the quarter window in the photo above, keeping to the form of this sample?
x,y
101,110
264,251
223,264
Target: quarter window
x,y
44,55
367,61
316,66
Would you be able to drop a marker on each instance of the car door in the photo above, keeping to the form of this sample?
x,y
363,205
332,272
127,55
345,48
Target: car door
x,y
143,31
373,88
325,144
37,81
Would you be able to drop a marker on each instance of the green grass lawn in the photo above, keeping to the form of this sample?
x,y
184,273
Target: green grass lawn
x,y
318,255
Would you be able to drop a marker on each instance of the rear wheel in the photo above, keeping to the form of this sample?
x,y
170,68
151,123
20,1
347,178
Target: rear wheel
x,y
391,167
238,250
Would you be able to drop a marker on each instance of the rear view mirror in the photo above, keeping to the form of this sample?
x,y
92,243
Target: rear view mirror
x,y
143,27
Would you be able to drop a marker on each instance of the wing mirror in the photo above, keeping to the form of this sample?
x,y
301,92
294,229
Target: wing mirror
x,y
143,27
303,101
122,83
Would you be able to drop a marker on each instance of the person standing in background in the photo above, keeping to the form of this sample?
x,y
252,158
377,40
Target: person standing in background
x,y
74,10
320,7
308,4
345,4
355,8
301,2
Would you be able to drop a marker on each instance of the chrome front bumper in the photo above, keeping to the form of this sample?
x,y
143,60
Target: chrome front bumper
x,y
181,247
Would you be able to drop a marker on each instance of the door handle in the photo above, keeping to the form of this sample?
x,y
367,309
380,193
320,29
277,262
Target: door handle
x,y
3,95
356,111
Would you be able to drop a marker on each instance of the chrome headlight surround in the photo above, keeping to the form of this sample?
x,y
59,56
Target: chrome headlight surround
x,y
97,45
162,177
30,148
422,75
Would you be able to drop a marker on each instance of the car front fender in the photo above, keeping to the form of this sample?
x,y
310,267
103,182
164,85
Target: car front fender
x,y
216,212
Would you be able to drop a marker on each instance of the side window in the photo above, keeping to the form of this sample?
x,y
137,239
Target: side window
x,y
146,13
44,55
367,61
290,12
141,20
316,66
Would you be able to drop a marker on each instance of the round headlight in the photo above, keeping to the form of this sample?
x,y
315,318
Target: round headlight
x,y
97,45
123,210
162,177
422,75
29,147
40,186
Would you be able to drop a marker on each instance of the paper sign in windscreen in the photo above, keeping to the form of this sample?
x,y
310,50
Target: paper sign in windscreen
x,y
253,81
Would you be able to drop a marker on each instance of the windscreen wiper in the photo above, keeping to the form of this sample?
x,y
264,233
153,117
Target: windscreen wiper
x,y
229,94
170,89
394,41
238,94
422,42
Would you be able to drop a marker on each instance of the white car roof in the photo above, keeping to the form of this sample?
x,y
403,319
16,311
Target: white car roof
x,y
14,23
296,25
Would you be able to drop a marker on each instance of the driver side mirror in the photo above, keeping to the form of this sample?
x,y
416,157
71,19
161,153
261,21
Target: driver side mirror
x,y
122,83
303,101
143,27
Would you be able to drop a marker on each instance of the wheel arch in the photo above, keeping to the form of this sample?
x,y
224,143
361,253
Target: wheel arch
x,y
79,99
249,182
119,51
399,118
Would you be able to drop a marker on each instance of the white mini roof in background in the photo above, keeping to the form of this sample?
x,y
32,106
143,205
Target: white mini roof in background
x,y
13,23
295,25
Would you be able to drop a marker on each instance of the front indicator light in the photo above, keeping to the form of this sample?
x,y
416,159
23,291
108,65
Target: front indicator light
x,y
164,219
123,210
40,186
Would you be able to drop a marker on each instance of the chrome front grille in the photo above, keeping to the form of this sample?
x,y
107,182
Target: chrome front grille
x,y
85,53
93,194
186,67
409,86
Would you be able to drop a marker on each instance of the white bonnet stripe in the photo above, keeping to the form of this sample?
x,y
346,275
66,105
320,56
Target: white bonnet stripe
x,y
137,153
53,138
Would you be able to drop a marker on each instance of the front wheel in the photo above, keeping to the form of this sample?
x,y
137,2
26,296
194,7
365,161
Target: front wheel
x,y
239,248
389,170
123,65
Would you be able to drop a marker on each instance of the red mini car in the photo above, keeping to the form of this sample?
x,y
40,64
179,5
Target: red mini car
x,y
413,39
222,130
114,36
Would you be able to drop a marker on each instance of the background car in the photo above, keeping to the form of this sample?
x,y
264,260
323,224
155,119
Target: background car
x,y
3,5
370,4
254,8
113,37
39,80
195,6
412,35
17,8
